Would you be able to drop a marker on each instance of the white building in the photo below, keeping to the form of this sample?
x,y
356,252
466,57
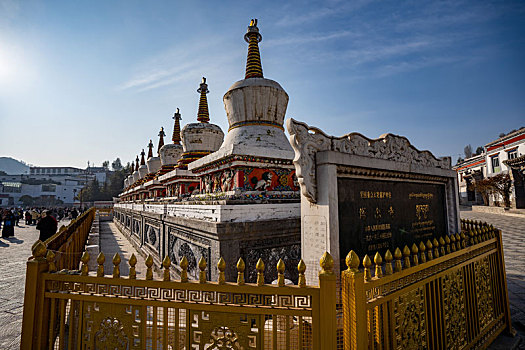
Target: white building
x,y
13,187
503,155
474,168
60,183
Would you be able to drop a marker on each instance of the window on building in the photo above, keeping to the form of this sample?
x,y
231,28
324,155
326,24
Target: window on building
x,y
512,154
12,187
495,164
48,188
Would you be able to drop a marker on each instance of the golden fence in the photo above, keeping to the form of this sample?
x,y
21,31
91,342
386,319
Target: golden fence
x,y
105,213
66,246
450,293
447,294
83,310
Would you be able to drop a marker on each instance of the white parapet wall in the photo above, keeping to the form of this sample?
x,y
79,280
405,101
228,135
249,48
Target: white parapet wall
x,y
221,212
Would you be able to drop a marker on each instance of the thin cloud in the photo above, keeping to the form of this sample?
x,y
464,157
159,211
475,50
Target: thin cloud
x,y
305,39
320,13
175,65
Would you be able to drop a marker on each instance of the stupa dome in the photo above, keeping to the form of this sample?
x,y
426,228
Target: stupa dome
x,y
200,139
170,153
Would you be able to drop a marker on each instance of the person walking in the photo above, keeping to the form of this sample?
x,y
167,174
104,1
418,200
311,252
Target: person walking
x,y
47,226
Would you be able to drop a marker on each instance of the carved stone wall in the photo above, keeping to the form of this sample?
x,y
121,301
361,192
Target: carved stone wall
x,y
324,164
271,250
183,243
178,236
307,141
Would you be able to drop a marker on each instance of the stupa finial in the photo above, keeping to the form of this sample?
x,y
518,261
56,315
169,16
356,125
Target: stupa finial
x,y
142,160
137,164
150,149
161,139
176,128
203,115
253,63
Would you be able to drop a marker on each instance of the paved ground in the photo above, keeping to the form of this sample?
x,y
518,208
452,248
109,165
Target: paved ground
x,y
13,256
111,242
14,253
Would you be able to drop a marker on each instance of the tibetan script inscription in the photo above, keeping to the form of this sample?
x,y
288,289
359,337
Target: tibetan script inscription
x,y
314,238
376,215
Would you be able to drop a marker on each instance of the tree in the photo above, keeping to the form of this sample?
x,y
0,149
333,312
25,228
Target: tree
x,y
105,165
91,192
502,185
26,200
468,151
483,187
459,160
479,150
116,165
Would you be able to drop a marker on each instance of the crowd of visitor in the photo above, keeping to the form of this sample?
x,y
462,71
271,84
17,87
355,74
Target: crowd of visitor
x,y
46,220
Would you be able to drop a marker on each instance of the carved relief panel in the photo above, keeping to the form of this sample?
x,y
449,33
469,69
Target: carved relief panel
x,y
182,243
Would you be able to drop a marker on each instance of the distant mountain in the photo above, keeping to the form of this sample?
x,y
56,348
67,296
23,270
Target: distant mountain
x,y
12,166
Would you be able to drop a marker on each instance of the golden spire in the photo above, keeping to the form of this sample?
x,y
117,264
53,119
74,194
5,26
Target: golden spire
x,y
176,128
150,149
203,115
253,63
161,139
142,154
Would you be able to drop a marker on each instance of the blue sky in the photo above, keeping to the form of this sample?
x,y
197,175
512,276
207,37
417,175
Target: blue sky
x,y
91,81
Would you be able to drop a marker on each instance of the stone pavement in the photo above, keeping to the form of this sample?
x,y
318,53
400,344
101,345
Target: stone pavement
x,y
14,253
113,241
513,231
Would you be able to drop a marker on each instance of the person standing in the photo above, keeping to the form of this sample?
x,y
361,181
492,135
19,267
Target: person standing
x,y
47,226
9,224
28,217
34,216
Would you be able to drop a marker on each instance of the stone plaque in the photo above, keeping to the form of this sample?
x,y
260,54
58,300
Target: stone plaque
x,y
376,215
313,240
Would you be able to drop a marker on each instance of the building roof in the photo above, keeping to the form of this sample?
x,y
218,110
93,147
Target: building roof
x,y
507,139
470,162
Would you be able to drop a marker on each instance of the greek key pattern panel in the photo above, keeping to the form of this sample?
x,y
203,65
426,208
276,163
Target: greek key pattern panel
x,y
398,284
454,310
180,295
409,319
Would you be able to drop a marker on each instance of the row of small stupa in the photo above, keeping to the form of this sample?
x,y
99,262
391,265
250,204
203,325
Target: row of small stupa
x,y
253,160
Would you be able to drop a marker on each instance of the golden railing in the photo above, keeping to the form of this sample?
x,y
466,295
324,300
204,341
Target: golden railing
x,y
90,310
66,246
450,293
105,213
